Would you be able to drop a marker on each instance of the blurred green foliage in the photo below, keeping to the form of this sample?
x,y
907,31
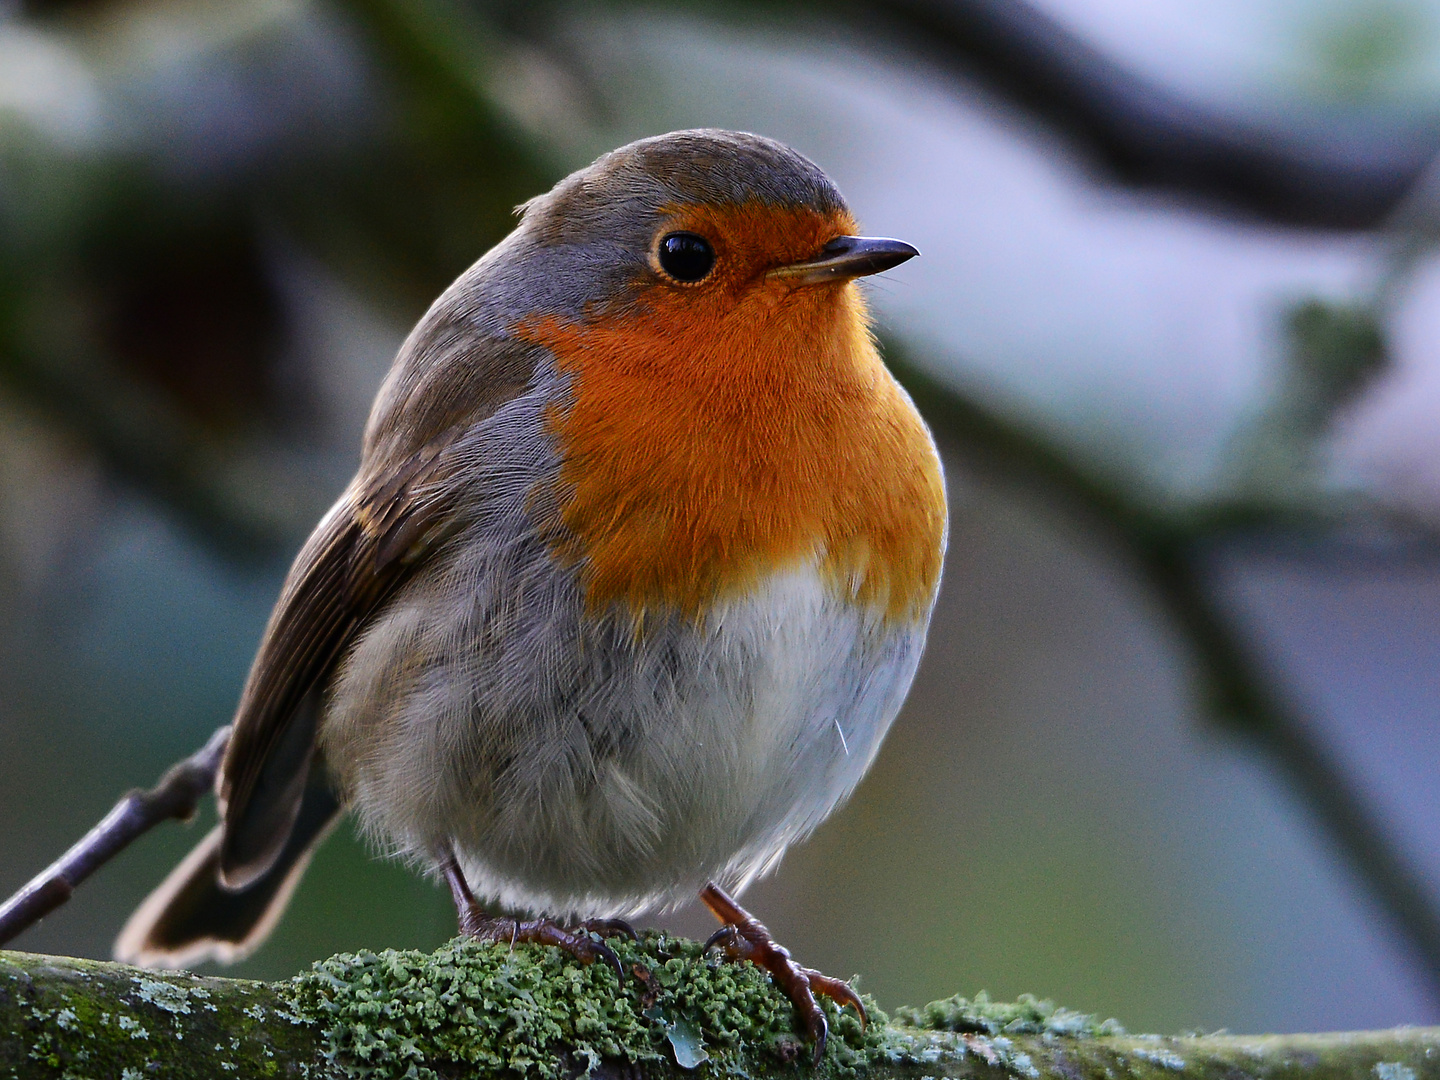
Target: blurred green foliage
x,y
139,303
1361,51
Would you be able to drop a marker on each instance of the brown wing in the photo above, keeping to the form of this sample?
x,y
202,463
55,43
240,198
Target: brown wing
x,y
363,548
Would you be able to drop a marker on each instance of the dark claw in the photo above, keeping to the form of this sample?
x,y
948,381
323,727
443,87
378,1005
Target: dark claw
x,y
819,1033
725,936
608,955
610,928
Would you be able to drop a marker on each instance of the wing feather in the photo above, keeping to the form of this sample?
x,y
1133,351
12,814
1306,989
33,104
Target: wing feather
x,y
447,380
361,551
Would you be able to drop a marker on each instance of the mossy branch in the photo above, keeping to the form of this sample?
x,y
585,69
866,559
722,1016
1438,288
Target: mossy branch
x,y
487,1010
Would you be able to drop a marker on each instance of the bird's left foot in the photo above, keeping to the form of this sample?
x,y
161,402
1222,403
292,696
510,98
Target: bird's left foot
x,y
744,937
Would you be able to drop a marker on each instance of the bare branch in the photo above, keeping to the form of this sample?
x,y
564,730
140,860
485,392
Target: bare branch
x,y
175,796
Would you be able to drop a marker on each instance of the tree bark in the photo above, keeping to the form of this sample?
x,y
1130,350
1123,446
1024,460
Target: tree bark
x,y
468,1010
83,1018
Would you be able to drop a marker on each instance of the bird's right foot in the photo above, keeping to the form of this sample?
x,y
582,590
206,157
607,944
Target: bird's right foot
x,y
477,923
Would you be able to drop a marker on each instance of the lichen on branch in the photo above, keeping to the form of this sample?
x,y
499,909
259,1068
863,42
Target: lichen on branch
x,y
531,1013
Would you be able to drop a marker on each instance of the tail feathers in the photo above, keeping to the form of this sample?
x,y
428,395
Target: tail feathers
x,y
191,917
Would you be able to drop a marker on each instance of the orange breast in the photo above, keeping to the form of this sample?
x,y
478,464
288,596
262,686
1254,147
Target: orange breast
x,y
710,444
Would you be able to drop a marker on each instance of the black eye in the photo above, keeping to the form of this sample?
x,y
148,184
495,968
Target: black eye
x,y
685,256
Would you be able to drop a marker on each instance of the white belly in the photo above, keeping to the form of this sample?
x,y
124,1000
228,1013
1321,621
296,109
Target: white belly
x,y
573,768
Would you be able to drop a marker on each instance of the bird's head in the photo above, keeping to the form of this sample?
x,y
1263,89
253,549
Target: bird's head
x,y
700,226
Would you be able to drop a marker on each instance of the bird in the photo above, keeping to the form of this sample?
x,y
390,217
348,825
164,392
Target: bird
x,y
633,577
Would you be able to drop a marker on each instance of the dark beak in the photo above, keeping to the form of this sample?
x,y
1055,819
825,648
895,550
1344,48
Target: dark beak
x,y
844,258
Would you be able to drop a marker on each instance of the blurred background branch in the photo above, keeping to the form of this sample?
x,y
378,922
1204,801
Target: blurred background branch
x,y
1314,172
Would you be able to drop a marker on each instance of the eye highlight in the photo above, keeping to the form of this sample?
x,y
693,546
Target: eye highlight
x,y
686,257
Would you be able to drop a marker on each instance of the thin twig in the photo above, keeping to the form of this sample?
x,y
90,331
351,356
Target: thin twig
x,y
175,796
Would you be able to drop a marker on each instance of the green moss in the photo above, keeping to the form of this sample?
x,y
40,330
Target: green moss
x,y
527,1013
494,1007
537,1013
472,1010
1027,1016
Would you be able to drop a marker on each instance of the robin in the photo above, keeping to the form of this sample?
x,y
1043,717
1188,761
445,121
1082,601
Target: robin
x,y
633,578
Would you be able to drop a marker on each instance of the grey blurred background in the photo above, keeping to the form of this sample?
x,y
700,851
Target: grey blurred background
x,y
1171,755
